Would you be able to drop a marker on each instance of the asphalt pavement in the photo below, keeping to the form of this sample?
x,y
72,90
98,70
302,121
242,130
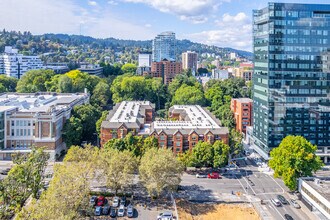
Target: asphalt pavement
x,y
242,185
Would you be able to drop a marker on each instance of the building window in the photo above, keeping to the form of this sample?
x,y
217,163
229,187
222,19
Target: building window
x,y
162,137
178,149
178,143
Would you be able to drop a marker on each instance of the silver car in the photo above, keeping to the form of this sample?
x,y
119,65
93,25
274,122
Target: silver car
x,y
200,175
294,204
130,211
121,211
276,202
115,202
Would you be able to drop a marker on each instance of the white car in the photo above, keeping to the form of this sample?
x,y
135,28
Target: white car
x,y
295,204
165,216
121,211
200,175
115,202
276,202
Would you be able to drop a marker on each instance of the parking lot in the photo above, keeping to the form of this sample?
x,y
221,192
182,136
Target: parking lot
x,y
142,208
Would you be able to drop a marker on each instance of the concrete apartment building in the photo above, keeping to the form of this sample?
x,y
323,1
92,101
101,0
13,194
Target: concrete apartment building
x,y
91,69
189,61
189,124
242,109
315,192
165,69
28,119
16,65
144,60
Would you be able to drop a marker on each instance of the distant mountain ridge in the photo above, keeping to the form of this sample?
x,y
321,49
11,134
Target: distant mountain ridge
x,y
94,48
182,45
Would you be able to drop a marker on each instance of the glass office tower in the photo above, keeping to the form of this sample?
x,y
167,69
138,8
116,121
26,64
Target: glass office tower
x,y
164,47
291,81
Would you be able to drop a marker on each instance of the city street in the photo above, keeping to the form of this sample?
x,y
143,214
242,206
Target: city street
x,y
247,184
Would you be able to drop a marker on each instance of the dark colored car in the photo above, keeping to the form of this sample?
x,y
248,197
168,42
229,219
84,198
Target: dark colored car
x,y
214,175
123,201
93,200
100,201
288,217
282,199
105,210
113,213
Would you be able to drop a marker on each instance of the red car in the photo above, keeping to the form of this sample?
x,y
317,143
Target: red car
x,y
100,201
214,175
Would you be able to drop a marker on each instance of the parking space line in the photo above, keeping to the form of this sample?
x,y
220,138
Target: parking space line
x,y
249,186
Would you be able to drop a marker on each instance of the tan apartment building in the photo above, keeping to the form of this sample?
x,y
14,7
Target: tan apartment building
x,y
189,60
35,119
188,125
242,109
165,69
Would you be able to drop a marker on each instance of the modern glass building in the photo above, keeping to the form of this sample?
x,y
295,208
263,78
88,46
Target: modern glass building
x,y
164,47
291,82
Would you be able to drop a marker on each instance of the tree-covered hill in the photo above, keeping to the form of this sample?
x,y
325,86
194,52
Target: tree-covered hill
x,y
59,46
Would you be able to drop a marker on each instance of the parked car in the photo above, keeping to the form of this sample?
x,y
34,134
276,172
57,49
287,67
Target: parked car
x,y
98,210
276,202
288,217
200,175
295,204
130,211
165,216
113,212
115,202
5,171
121,211
93,200
214,175
123,201
105,210
100,201
282,199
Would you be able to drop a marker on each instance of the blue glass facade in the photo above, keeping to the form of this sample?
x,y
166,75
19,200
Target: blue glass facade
x,y
292,75
164,47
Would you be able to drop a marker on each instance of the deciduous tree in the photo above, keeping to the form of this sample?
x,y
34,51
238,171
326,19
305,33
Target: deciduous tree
x,y
159,170
293,158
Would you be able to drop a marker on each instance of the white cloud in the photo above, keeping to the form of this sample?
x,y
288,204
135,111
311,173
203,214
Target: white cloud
x,y
234,31
65,16
191,10
112,2
148,25
92,3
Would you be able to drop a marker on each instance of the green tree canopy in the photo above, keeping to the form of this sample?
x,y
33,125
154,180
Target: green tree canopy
x,y
34,81
72,131
101,94
188,95
130,87
159,170
7,84
293,158
129,68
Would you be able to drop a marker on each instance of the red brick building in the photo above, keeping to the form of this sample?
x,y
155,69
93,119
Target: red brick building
x,y
242,109
166,69
190,124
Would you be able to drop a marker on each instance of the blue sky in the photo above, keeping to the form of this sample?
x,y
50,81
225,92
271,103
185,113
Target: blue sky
x,y
225,23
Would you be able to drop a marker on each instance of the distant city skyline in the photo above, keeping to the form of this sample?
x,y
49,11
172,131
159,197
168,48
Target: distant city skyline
x,y
224,23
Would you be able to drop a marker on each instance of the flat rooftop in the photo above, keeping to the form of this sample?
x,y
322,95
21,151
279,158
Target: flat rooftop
x,y
128,111
38,102
323,187
195,117
244,100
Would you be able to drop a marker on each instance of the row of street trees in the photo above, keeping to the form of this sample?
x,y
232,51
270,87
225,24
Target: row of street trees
x,y
68,193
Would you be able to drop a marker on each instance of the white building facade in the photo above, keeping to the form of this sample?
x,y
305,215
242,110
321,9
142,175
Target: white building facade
x,y
16,65
144,60
164,47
